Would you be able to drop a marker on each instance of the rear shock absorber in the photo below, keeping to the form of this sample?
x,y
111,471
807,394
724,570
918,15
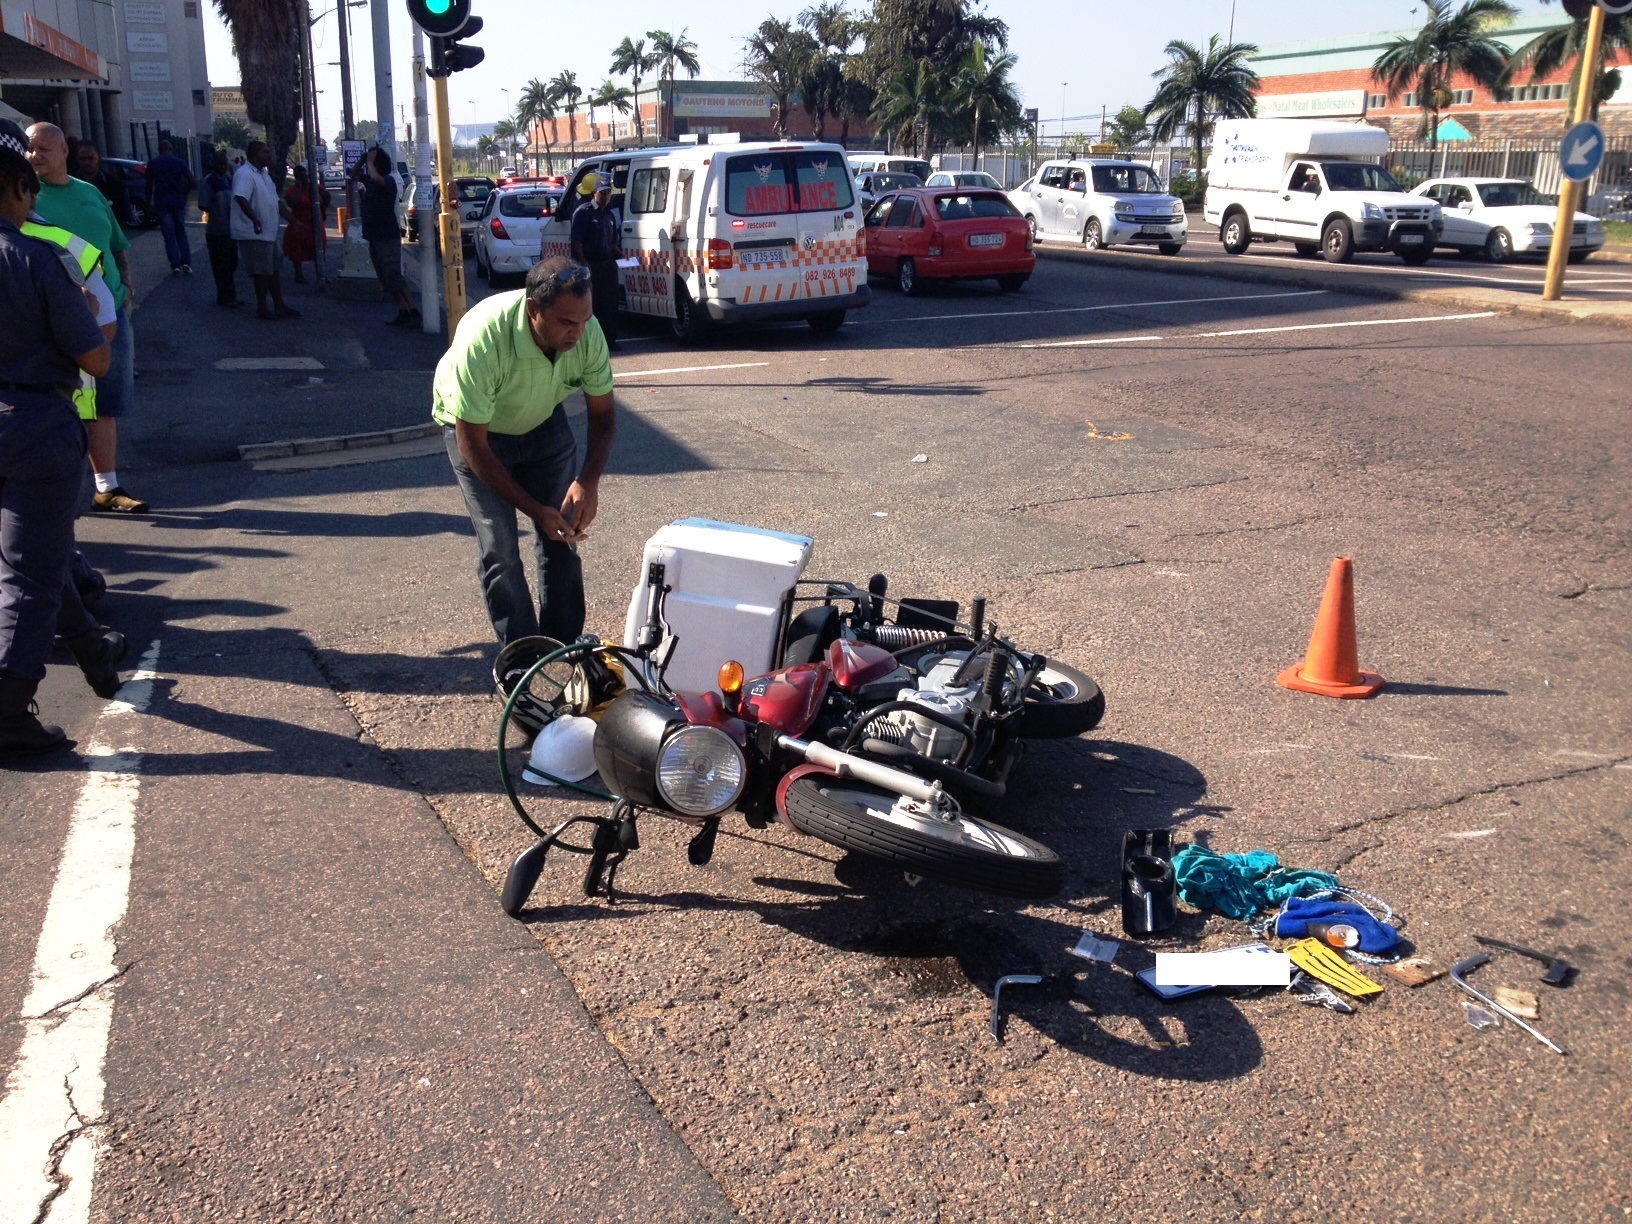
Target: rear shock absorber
x,y
991,685
893,637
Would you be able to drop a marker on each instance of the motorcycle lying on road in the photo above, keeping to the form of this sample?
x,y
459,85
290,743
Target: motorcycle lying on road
x,y
888,728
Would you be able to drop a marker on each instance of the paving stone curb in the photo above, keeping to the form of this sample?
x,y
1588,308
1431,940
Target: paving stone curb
x,y
316,446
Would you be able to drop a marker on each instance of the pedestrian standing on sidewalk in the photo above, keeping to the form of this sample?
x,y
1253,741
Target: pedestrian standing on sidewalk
x,y
497,393
109,180
300,243
215,198
82,210
596,244
169,182
255,228
50,335
376,177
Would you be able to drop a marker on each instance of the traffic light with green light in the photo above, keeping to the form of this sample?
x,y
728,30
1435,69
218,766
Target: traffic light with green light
x,y
448,23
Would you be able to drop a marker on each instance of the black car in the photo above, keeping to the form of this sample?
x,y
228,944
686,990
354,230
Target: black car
x,y
127,188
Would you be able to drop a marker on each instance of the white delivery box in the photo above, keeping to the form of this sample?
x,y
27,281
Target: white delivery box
x,y
729,587
1253,154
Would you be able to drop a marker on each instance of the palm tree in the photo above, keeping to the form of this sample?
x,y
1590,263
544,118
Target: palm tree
x,y
1550,50
633,58
485,145
910,103
853,102
266,39
778,54
504,133
1216,84
1448,43
823,84
613,96
669,53
567,91
536,112
982,85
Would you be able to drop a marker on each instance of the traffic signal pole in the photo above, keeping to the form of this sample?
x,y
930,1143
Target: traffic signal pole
x,y
1564,227
453,254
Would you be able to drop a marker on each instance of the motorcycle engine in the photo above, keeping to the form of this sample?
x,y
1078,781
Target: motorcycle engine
x,y
936,693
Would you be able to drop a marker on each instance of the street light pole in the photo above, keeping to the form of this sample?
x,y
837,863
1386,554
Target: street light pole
x,y
1571,190
1063,84
343,19
385,109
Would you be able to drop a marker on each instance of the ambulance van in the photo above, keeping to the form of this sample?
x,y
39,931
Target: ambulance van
x,y
731,233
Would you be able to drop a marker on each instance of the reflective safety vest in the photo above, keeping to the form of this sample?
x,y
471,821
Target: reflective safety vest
x,y
81,259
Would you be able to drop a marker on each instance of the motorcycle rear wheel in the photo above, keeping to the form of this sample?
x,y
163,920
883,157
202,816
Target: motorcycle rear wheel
x,y
1061,704
968,852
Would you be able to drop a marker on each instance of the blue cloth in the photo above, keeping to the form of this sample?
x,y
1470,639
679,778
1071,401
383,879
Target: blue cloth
x,y
596,231
1376,937
173,225
116,390
1241,885
169,180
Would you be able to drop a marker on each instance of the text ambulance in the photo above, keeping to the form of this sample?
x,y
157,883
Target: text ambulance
x,y
740,233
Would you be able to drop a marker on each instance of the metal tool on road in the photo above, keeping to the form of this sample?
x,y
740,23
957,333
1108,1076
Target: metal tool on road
x,y
1558,969
1308,990
1013,979
1468,966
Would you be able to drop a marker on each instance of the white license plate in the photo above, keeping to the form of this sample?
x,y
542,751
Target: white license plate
x,y
763,257
1159,230
1410,239
985,240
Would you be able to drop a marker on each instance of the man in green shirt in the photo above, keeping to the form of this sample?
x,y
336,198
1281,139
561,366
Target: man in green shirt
x,y
83,211
497,393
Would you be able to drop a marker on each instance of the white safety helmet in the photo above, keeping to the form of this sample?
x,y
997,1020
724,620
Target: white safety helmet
x,y
565,748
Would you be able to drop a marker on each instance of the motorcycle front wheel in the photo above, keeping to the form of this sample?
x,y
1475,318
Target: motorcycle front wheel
x,y
968,852
1060,704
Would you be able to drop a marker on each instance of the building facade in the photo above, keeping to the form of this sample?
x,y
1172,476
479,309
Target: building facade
x,y
116,72
1331,78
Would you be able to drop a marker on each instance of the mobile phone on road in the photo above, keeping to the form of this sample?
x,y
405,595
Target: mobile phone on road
x,y
1147,979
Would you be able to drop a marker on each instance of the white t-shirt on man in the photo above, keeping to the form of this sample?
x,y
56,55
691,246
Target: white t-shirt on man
x,y
257,188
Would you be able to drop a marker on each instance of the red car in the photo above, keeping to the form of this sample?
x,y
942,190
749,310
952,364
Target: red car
x,y
948,233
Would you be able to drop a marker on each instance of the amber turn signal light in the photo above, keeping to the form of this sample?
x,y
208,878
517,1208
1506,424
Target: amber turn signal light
x,y
730,677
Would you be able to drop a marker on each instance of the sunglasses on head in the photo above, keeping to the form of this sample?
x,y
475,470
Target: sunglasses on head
x,y
575,275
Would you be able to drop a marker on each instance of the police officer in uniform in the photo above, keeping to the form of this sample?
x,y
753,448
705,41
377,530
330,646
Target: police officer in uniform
x,y
50,337
596,245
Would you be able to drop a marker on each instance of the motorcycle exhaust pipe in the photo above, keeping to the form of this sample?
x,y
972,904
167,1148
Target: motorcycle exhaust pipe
x,y
847,766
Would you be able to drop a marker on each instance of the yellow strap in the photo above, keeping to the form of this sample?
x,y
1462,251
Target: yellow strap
x,y
1319,961
85,397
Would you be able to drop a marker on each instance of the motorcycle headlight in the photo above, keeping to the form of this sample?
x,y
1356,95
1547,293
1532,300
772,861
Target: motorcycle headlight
x,y
1371,212
700,771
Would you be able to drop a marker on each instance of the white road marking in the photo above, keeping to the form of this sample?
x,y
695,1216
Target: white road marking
x,y
1079,343
1022,314
51,1119
738,365
1260,331
1472,833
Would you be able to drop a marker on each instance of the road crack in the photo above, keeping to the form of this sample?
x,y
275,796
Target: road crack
x,y
82,995
1456,800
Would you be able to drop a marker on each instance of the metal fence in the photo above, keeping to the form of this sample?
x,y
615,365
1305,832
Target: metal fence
x,y
1535,160
1012,163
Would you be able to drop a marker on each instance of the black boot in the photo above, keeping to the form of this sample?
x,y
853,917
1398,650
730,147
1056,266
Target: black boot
x,y
21,732
98,652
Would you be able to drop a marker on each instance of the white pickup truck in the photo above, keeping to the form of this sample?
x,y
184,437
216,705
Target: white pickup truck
x,y
1304,181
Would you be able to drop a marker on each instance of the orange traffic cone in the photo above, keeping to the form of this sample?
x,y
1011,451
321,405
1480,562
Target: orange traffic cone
x,y
1331,668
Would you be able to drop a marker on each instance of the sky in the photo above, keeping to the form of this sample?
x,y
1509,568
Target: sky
x,y
1075,56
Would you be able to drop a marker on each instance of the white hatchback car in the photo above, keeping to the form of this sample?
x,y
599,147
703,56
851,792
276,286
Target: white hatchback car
x,y
963,178
1101,204
1506,217
510,228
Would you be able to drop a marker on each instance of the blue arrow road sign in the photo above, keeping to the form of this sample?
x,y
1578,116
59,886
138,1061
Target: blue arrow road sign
x,y
1582,150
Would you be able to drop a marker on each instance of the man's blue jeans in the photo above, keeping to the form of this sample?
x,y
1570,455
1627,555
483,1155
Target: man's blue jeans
x,y
173,225
545,463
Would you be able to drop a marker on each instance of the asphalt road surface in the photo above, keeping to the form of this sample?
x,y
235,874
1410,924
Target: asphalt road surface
x,y
1598,278
311,1006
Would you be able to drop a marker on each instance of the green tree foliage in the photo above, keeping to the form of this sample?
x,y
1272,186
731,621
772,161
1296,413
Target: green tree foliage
x,y
911,107
830,71
266,39
983,102
779,55
231,132
1128,128
1198,86
632,59
610,96
1451,41
672,53
566,91
898,35
536,112
1552,49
